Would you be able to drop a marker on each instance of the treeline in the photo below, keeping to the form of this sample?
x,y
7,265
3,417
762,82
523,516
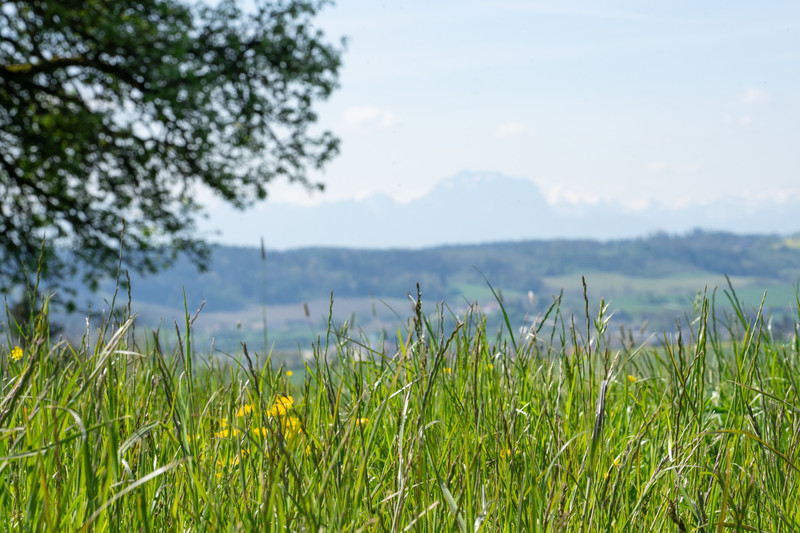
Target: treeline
x,y
238,277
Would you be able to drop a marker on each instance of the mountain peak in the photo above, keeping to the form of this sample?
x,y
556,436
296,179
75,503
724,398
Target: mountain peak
x,y
473,179
479,207
482,190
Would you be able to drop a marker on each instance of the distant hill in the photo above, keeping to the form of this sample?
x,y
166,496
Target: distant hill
x,y
649,280
237,276
482,207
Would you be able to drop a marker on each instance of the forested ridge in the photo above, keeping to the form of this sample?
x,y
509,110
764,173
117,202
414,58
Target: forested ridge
x,y
238,276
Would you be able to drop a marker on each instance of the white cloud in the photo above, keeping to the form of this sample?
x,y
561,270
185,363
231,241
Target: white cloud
x,y
359,115
637,205
753,96
749,100
558,194
365,115
512,129
388,120
688,168
742,121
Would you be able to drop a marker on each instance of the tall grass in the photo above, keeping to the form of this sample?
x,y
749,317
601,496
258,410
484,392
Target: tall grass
x,y
441,426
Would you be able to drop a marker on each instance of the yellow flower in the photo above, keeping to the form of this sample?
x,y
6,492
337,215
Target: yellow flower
x,y
290,426
16,353
362,421
246,409
491,366
233,461
615,464
289,373
281,405
225,433
447,370
262,432
631,378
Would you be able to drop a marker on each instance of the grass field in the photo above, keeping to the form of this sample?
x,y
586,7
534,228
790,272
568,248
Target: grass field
x,y
441,426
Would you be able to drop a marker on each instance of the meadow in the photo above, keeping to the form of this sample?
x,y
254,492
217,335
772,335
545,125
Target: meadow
x,y
442,425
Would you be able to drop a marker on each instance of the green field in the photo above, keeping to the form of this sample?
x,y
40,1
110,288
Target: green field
x,y
431,428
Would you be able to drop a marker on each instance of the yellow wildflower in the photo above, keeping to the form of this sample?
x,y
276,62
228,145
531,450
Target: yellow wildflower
x,y
262,432
281,405
246,409
447,370
362,421
631,379
290,426
508,452
16,353
225,433
233,461
614,465
289,373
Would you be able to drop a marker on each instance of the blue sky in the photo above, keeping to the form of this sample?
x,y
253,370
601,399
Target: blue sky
x,y
670,102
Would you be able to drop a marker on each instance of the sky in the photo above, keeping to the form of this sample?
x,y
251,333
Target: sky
x,y
640,102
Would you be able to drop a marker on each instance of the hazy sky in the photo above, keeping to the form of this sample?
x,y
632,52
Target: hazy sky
x,y
669,101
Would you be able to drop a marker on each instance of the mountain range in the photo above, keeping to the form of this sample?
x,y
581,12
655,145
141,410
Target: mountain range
x,y
481,207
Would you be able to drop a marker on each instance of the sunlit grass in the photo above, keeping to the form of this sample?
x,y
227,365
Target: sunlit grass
x,y
440,426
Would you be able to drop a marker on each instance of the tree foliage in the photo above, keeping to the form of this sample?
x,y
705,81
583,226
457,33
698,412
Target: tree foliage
x,y
126,109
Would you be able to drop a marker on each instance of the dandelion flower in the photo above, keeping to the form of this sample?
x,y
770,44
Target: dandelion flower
x,y
281,405
16,353
290,426
225,433
244,410
259,432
